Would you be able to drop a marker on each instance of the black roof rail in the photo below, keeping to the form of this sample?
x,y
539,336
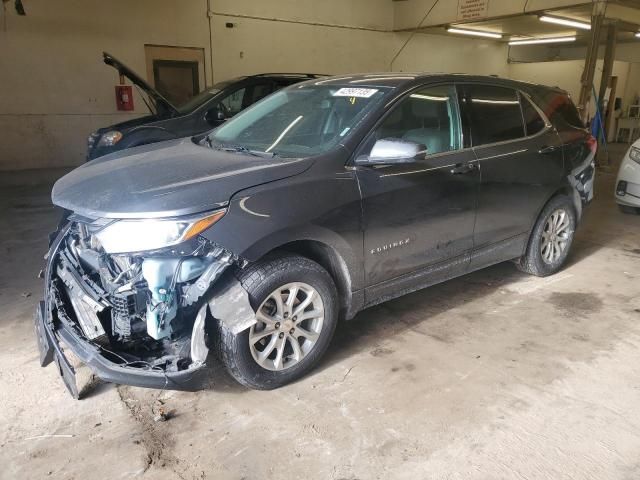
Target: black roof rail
x,y
309,75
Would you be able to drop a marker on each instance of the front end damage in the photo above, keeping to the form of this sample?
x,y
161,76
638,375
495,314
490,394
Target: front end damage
x,y
145,319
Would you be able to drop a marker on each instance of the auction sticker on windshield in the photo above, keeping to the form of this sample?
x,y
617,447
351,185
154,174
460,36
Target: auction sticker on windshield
x,y
355,92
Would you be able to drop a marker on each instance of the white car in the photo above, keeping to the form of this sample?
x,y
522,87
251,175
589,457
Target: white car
x,y
628,181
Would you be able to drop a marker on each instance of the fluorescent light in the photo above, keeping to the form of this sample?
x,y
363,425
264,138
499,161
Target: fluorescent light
x,y
534,41
565,21
638,34
476,33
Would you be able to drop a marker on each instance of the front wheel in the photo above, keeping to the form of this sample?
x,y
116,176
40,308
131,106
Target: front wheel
x,y
296,307
550,239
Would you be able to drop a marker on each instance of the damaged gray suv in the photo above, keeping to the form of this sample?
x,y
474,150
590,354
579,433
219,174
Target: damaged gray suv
x,y
251,242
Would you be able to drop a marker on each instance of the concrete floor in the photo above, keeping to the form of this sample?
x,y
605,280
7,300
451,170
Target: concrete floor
x,y
493,375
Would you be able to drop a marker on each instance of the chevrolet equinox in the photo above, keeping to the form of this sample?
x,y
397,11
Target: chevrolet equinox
x,y
252,241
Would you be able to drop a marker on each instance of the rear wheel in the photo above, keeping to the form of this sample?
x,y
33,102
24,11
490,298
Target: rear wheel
x,y
296,302
550,239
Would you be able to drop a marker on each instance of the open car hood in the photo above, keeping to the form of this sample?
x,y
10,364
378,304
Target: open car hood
x,y
122,69
166,179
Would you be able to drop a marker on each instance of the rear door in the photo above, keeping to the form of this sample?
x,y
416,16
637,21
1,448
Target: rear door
x,y
520,163
418,216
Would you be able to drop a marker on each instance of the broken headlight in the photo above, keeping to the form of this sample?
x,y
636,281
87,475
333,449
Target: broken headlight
x,y
125,236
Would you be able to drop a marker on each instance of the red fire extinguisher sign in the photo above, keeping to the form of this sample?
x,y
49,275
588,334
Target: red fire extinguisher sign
x,y
124,97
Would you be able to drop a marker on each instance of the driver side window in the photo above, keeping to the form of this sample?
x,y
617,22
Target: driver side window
x,y
426,117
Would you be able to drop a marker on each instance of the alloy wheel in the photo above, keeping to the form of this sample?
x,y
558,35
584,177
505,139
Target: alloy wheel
x,y
555,236
289,323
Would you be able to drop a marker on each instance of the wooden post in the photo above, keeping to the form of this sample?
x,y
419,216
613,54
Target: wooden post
x,y
586,81
607,67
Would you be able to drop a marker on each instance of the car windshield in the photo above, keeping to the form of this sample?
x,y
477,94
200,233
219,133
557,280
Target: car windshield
x,y
199,99
304,120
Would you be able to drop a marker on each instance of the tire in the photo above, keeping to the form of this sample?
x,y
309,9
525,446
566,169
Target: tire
x,y
284,273
629,209
544,257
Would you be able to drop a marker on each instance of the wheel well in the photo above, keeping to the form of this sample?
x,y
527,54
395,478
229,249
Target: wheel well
x,y
567,191
329,259
572,193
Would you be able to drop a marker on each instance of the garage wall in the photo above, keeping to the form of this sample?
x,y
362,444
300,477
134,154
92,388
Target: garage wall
x,y
448,54
567,74
294,47
408,13
372,14
56,90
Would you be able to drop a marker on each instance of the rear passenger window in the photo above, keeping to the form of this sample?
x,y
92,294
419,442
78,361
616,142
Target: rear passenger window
x,y
533,122
494,114
427,117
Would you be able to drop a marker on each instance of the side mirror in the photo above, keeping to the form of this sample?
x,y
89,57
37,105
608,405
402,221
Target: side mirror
x,y
215,116
395,150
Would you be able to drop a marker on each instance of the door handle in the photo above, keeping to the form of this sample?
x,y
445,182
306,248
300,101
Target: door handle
x,y
461,168
548,149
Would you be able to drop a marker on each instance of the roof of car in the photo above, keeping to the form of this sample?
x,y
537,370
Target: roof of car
x,y
404,79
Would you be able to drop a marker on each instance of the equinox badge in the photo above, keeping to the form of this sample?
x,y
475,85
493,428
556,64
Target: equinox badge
x,y
390,246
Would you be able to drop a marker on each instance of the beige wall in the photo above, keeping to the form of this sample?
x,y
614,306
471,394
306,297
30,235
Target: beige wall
x,y
56,90
567,74
409,13
373,14
256,45
448,54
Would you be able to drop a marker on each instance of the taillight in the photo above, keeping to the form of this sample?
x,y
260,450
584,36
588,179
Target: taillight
x,y
592,143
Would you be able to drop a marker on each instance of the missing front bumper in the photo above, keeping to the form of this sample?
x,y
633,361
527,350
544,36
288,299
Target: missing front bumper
x,y
49,344
57,332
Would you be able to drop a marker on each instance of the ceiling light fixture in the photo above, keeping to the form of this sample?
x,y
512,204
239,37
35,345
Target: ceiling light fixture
x,y
565,21
535,41
638,34
476,33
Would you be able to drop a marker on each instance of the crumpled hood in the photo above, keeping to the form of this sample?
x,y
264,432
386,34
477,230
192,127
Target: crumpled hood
x,y
166,179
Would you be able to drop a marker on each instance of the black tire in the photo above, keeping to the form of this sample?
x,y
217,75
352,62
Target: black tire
x,y
533,262
260,280
629,210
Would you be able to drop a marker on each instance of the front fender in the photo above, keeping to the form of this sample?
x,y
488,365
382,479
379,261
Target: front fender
x,y
317,205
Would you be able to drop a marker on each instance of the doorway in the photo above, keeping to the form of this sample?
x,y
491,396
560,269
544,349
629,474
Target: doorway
x,y
176,80
178,73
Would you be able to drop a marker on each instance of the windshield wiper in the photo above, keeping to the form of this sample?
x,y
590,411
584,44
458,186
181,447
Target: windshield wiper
x,y
240,149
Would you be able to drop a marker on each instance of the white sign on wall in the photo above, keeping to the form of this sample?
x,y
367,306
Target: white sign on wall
x,y
472,9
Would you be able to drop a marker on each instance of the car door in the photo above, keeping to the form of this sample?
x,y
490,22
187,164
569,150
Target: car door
x,y
520,163
418,216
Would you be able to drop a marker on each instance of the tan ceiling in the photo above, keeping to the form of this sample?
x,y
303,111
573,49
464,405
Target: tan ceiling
x,y
624,12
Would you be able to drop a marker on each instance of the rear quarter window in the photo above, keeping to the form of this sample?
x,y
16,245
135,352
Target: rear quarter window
x,y
560,110
533,122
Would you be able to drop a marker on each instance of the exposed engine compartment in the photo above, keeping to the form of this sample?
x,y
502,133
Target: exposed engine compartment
x,y
143,310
